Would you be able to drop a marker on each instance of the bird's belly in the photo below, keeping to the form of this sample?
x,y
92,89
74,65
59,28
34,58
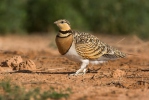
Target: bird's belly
x,y
96,62
72,54
99,60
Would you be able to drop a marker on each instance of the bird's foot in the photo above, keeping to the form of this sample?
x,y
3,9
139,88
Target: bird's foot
x,y
82,70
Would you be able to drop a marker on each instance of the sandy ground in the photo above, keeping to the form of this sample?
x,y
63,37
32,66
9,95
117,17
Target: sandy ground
x,y
33,61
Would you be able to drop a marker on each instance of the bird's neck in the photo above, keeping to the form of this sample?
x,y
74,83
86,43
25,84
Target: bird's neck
x,y
64,34
66,31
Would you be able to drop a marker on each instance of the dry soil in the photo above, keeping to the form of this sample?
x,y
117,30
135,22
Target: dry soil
x,y
33,61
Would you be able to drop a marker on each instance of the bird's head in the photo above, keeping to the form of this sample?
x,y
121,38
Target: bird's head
x,y
63,24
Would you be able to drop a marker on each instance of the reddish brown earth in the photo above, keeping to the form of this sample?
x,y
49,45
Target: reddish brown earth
x,y
33,61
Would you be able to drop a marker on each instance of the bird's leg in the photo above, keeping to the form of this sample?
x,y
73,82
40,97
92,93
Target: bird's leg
x,y
83,68
84,71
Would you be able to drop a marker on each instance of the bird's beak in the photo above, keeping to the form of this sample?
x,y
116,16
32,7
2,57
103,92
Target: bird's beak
x,y
55,22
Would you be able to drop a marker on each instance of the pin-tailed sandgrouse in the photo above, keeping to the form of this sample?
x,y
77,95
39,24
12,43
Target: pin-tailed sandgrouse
x,y
83,47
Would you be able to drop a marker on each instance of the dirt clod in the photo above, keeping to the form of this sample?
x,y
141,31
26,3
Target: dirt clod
x,y
118,74
16,63
27,65
12,62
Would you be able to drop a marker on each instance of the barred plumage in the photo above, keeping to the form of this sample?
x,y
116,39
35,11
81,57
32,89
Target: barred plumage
x,y
83,47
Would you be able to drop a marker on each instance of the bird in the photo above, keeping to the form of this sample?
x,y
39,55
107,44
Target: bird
x,y
83,47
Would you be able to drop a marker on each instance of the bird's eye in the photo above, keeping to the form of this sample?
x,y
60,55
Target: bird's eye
x,y
62,22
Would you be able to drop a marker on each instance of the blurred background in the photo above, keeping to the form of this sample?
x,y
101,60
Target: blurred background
x,y
120,17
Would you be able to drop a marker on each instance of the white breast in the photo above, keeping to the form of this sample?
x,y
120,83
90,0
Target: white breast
x,y
72,54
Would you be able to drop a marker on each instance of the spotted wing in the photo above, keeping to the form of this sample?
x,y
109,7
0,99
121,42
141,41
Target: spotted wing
x,y
90,47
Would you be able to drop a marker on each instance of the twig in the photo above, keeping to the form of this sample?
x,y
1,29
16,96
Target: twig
x,y
121,40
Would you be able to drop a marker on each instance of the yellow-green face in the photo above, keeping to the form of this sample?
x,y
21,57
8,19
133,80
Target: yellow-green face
x,y
63,25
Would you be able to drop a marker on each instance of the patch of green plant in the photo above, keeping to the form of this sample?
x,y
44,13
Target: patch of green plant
x,y
12,16
56,95
9,91
111,17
